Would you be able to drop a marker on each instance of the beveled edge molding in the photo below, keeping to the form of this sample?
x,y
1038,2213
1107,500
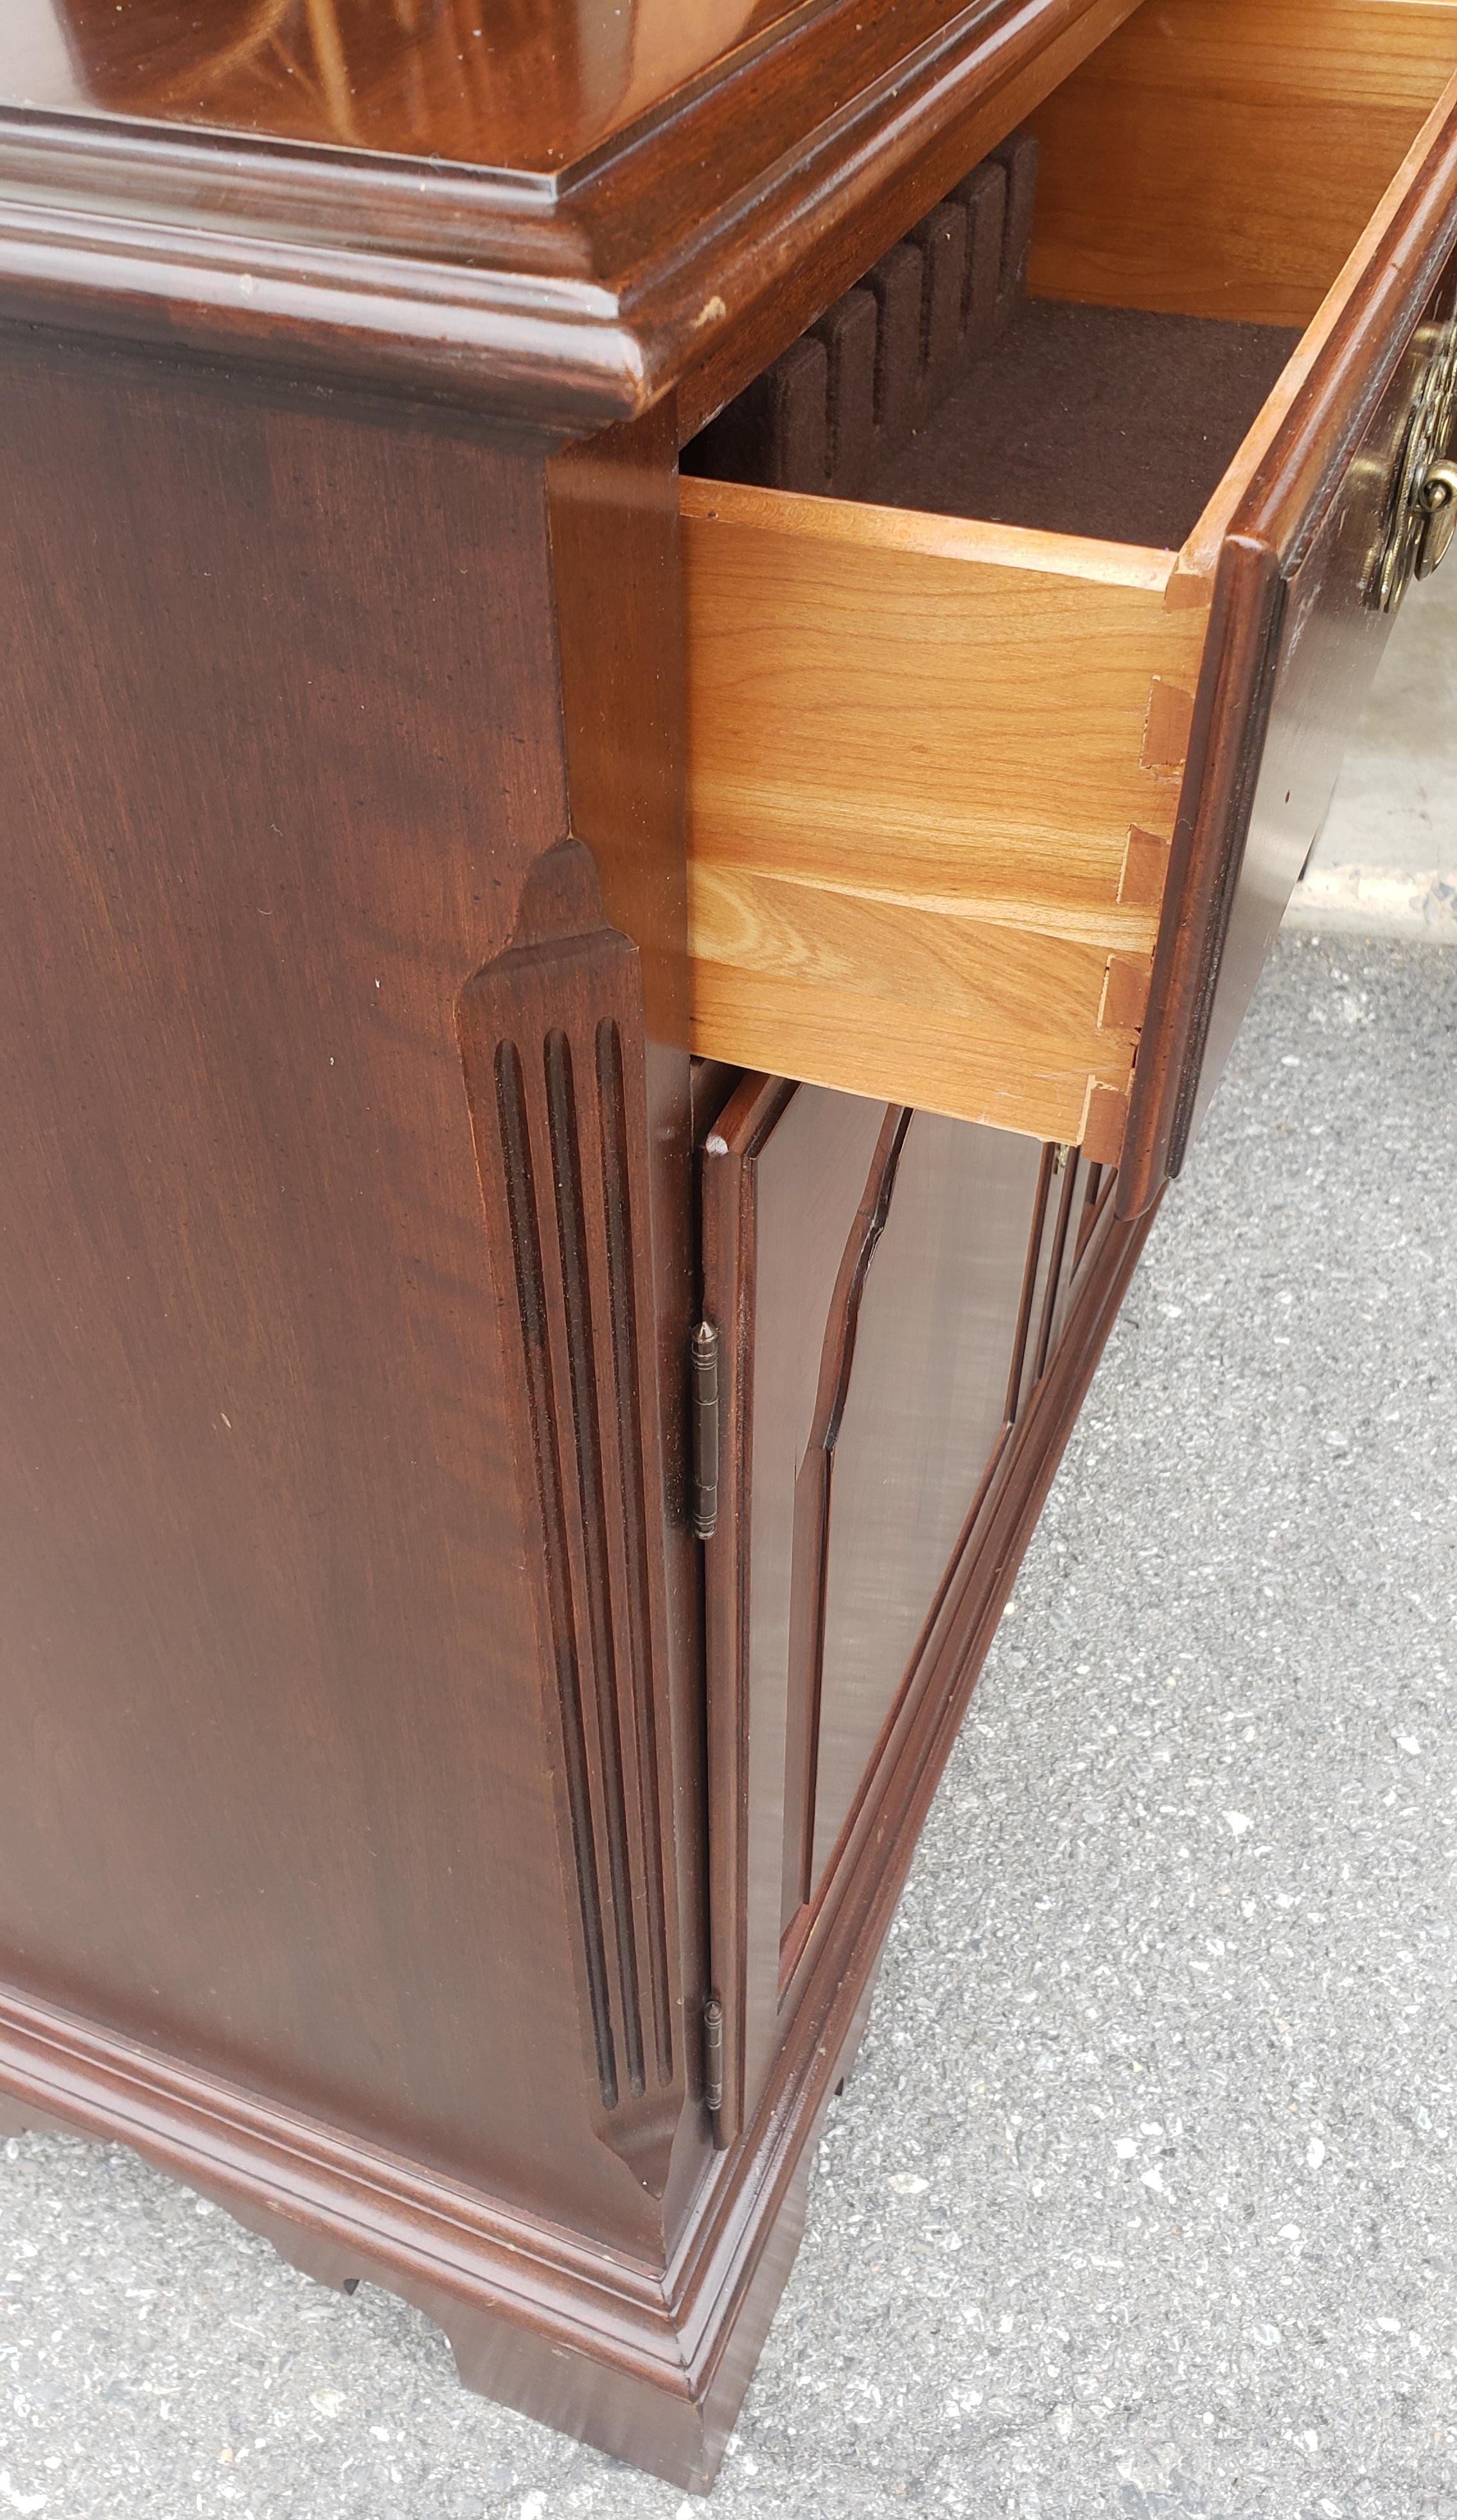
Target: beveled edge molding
x,y
568,302
649,2365
571,2333
813,1498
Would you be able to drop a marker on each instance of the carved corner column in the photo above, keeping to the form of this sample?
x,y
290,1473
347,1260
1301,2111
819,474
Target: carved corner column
x,y
574,1046
552,1039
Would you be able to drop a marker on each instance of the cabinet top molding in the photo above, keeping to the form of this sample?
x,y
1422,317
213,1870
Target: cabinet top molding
x,y
547,210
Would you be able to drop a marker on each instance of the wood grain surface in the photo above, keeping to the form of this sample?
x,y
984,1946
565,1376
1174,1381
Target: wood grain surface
x,y
917,751
355,1856
1220,157
281,1792
559,240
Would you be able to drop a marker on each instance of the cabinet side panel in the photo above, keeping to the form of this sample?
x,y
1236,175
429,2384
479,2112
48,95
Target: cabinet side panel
x,y
279,741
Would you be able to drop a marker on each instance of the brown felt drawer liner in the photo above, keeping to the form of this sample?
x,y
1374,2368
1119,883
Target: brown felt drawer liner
x,y
1102,420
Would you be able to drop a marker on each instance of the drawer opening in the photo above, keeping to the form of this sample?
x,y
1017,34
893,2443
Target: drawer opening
x,y
1081,338
938,384
1109,423
950,563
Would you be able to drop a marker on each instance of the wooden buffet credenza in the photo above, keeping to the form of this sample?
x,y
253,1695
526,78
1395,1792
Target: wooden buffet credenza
x,y
589,1044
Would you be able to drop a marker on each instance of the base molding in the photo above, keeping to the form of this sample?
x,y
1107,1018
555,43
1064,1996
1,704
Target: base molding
x,y
575,2336
649,2363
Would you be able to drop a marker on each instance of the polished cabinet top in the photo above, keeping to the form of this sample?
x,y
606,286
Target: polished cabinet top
x,y
551,211
530,84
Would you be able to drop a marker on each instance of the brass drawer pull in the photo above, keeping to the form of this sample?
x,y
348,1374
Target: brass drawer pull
x,y
1436,498
1422,516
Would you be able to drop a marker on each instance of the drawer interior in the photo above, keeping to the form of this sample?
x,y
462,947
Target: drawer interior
x,y
938,728
1107,421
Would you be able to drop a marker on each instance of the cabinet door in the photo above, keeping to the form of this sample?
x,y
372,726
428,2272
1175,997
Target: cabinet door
x,y
872,1274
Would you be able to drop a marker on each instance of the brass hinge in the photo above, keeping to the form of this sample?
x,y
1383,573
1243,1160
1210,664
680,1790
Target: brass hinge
x,y
704,1363
713,2056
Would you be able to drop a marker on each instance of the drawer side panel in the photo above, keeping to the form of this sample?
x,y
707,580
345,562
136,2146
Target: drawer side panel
x,y
930,797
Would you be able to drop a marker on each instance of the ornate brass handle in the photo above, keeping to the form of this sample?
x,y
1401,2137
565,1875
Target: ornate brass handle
x,y
1436,498
1422,513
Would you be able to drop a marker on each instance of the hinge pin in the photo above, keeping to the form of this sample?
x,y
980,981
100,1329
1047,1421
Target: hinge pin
x,y
703,1353
713,2056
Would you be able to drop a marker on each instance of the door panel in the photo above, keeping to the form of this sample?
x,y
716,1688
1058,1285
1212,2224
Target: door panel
x,y
869,1272
924,1408
783,1173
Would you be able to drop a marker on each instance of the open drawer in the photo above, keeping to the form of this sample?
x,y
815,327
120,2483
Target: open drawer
x,y
979,810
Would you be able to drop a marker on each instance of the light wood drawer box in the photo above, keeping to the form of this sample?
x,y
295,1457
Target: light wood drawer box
x,y
974,806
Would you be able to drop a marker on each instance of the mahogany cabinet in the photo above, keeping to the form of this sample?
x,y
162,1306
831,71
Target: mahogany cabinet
x,y
591,1042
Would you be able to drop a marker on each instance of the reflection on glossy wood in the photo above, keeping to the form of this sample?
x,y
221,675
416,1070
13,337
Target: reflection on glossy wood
x,y
528,84
816,1497
436,244
924,1412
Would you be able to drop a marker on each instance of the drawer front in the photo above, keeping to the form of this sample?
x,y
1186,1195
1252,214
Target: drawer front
x,y
1329,631
1296,543
977,815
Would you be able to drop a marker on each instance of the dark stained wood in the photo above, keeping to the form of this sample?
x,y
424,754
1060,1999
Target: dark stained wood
x,y
670,2354
1084,1214
572,292
870,1275
283,766
832,1962
1292,575
784,1174
816,1497
368,1844
742,1125
843,399
1054,1262
256,1486
551,1032
516,2296
531,84
922,1416
1022,59
612,517
1332,637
